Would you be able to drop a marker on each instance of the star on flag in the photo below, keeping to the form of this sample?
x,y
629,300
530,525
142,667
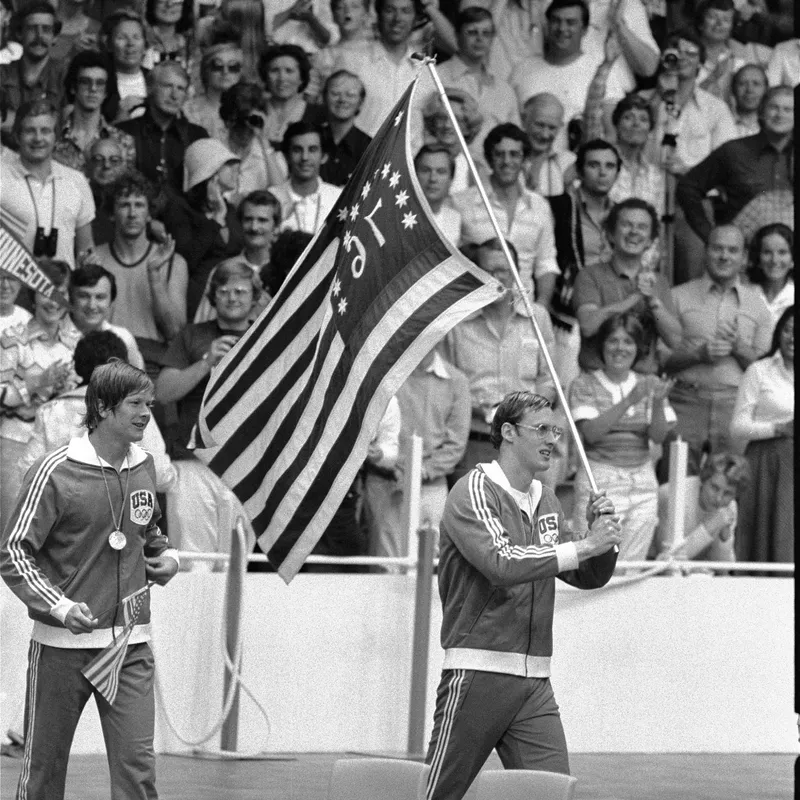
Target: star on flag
x,y
354,212
365,190
394,180
343,305
409,220
386,169
401,199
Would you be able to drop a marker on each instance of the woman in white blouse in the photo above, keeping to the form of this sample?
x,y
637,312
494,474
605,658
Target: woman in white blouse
x,y
772,266
764,417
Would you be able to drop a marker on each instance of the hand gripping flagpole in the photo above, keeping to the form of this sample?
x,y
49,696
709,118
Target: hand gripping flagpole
x,y
429,62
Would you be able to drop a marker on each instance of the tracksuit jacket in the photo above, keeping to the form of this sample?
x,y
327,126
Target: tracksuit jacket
x,y
496,574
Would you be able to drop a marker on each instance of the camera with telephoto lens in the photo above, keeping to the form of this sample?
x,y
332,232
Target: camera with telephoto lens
x,y
669,60
45,244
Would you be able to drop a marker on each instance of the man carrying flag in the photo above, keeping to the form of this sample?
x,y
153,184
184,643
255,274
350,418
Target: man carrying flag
x,y
296,402
81,546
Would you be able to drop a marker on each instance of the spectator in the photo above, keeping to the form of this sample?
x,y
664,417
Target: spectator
x,y
260,216
469,70
748,87
519,33
204,224
248,17
242,109
344,142
747,170
764,418
86,88
306,25
34,366
105,165
566,70
36,76
162,134
724,55
772,266
53,203
285,252
61,418
92,292
435,168
203,511
438,129
284,70
497,350
12,316
710,510
523,215
618,414
221,66
726,325
543,119
384,66
305,199
78,32
783,68
123,37
434,405
170,23
626,283
151,278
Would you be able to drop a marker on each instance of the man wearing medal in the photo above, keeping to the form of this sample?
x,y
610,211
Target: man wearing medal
x,y
83,537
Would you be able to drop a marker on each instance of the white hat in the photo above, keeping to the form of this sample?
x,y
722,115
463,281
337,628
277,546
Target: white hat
x,y
203,159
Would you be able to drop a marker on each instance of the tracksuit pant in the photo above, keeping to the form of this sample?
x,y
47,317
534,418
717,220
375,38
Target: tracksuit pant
x,y
477,712
55,697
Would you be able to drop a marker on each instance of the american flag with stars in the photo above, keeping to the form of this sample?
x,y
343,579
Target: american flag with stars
x,y
293,406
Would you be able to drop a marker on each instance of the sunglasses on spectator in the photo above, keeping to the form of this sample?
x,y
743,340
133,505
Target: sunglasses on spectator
x,y
542,430
234,68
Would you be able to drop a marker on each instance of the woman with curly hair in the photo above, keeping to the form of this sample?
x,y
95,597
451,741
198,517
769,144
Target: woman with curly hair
x,y
772,266
285,71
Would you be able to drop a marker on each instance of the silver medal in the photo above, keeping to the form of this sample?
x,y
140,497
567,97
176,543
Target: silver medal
x,y
117,540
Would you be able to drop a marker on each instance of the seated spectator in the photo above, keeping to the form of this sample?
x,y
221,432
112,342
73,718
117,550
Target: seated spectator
x,y
726,325
260,216
242,109
438,129
12,316
285,252
162,134
305,199
169,29
772,266
783,68
92,292
86,88
344,142
566,70
284,70
52,203
221,66
203,511
434,405
618,414
204,224
35,365
498,352
724,55
748,87
61,419
104,166
748,170
542,119
151,278
469,70
435,169
79,31
522,214
37,76
124,38
764,417
710,511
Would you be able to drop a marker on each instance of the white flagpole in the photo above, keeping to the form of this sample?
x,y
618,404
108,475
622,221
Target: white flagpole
x,y
429,62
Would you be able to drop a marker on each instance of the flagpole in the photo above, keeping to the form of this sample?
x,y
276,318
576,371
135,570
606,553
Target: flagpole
x,y
429,62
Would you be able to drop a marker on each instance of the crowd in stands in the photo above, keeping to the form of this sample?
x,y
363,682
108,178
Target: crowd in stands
x,y
166,162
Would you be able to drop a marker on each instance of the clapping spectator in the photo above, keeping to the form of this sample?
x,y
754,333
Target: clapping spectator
x,y
78,32
772,266
764,417
784,64
306,24
618,414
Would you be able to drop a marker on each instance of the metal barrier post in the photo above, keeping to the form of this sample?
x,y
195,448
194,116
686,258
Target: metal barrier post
x,y
421,642
233,604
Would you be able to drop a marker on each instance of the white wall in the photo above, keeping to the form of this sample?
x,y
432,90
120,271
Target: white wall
x,y
694,664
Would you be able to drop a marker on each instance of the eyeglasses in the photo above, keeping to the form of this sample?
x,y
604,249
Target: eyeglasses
x,y
106,161
235,294
542,430
253,120
89,83
234,68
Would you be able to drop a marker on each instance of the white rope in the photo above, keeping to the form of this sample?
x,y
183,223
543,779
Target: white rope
x,y
235,669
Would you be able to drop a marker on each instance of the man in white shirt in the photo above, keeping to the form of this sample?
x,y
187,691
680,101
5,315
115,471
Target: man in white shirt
x,y
435,168
543,120
306,200
566,70
50,205
384,66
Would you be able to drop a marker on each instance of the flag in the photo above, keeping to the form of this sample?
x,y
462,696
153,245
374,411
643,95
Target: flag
x,y
103,670
16,260
294,405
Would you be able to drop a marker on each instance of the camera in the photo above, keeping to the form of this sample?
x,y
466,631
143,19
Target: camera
x,y
669,60
44,245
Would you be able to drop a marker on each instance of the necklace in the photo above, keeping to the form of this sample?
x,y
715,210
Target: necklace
x,y
116,538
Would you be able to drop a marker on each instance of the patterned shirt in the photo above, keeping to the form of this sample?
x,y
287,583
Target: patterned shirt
x,y
69,153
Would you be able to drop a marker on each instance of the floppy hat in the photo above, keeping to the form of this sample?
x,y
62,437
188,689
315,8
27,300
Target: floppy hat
x,y
202,159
